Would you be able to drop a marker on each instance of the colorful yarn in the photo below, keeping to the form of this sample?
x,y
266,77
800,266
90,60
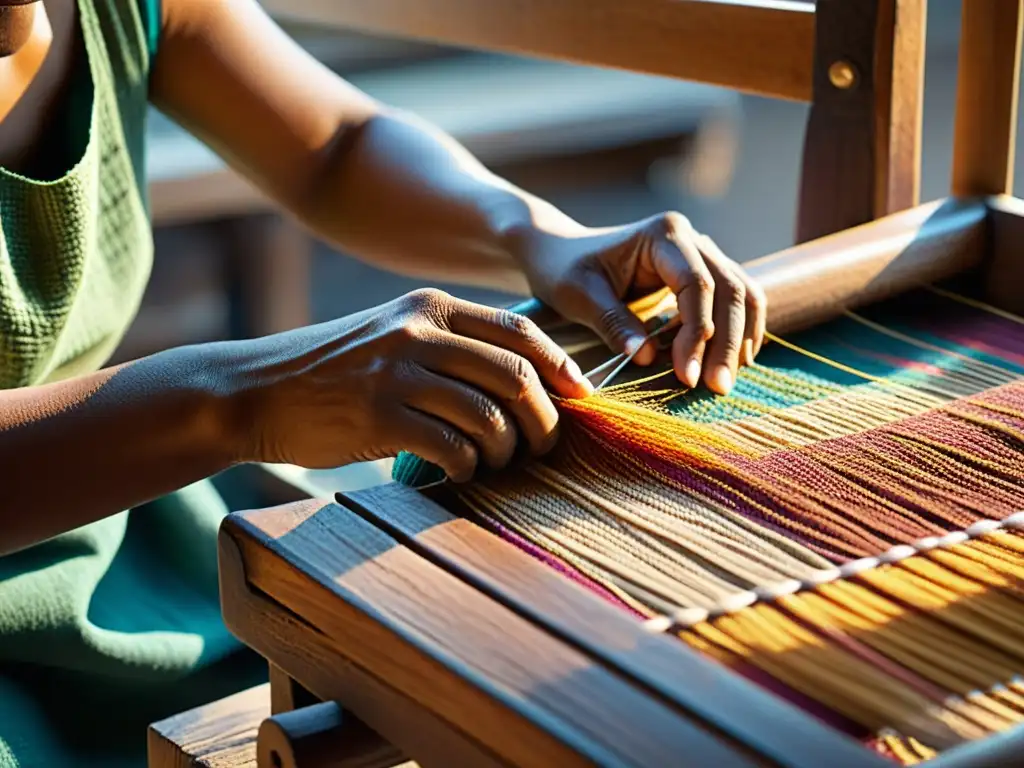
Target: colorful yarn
x,y
885,428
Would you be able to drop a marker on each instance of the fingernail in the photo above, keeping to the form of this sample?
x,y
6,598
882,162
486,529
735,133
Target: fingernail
x,y
633,344
748,351
574,368
577,374
722,379
693,372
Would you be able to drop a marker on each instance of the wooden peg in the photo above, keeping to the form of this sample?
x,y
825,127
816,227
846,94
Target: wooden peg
x,y
321,736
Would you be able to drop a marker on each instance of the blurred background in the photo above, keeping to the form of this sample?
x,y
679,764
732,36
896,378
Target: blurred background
x,y
607,147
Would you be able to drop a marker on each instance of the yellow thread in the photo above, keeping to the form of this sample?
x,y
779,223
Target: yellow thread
x,y
822,358
976,304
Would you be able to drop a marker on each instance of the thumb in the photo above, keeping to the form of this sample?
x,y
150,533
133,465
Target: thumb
x,y
609,317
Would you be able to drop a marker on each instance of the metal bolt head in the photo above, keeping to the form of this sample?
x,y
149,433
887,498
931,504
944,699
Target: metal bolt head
x,y
842,75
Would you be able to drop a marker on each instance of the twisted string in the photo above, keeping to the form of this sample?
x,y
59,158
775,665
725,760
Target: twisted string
x,y
930,647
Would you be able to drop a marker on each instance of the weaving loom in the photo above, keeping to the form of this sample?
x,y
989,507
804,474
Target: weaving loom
x,y
825,567
861,475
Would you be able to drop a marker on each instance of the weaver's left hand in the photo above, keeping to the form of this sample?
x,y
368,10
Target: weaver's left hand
x,y
588,276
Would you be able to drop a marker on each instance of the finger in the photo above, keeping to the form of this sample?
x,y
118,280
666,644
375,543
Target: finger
x,y
722,360
756,303
757,306
681,266
500,374
436,442
517,333
601,310
467,409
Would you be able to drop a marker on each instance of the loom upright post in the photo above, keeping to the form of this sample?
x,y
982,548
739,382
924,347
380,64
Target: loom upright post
x,y
986,100
985,137
862,150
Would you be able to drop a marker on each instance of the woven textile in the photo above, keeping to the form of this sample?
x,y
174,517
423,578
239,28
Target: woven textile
x,y
770,528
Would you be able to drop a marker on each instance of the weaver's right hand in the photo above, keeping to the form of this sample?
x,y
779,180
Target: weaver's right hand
x,y
453,382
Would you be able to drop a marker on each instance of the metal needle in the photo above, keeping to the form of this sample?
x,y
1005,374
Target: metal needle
x,y
622,360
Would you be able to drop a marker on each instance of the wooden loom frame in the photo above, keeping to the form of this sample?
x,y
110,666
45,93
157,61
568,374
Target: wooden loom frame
x,y
442,642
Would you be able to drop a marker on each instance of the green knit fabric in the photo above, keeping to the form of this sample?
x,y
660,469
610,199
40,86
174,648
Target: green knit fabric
x,y
110,627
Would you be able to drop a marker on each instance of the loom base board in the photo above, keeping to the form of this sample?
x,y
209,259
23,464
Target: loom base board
x,y
506,689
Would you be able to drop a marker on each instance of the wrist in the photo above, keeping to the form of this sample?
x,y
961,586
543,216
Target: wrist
x,y
529,225
213,380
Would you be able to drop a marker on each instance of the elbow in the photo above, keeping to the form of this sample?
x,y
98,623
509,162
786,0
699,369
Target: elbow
x,y
328,181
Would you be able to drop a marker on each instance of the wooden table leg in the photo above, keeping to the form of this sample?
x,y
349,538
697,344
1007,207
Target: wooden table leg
x,y
286,694
270,262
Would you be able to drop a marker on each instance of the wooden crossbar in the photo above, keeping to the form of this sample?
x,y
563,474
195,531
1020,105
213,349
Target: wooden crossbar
x,y
763,47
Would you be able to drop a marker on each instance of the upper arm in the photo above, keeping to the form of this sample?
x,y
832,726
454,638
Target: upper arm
x,y
227,73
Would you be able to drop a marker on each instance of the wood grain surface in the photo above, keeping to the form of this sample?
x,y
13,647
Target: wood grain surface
x,y
662,666
755,46
527,697
862,148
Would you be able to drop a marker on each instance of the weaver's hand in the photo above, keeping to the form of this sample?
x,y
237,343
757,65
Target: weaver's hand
x,y
453,382
588,275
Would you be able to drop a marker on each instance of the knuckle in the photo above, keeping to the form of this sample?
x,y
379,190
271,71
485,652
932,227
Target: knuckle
x,y
567,368
734,289
431,302
732,342
428,296
705,242
452,441
408,332
492,417
613,323
702,282
461,455
516,323
524,377
673,222
704,329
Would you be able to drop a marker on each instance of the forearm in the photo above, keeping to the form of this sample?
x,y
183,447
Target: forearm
x,y
79,450
404,195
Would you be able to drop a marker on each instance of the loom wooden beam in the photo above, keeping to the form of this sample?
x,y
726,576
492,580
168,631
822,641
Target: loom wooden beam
x,y
816,281
999,751
862,148
988,80
220,734
444,673
763,47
